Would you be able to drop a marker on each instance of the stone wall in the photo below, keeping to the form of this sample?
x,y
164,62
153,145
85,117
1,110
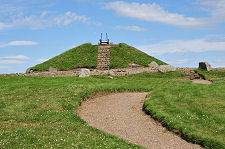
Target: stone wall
x,y
123,71
190,73
83,72
93,72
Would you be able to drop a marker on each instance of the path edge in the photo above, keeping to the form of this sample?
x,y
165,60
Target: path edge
x,y
190,139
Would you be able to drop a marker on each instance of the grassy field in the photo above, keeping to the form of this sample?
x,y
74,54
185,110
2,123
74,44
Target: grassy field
x,y
39,112
196,110
86,56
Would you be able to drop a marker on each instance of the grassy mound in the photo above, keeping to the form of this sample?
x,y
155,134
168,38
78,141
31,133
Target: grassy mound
x,y
124,54
86,56
82,56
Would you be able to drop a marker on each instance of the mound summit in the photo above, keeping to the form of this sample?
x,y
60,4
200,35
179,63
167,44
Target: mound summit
x,y
87,56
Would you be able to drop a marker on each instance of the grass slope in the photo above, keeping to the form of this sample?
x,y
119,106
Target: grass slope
x,y
214,75
86,56
82,56
124,54
39,112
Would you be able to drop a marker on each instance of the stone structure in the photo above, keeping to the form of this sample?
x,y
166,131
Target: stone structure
x,y
104,53
153,65
123,71
51,69
166,68
103,66
132,65
205,66
84,72
103,57
190,73
29,70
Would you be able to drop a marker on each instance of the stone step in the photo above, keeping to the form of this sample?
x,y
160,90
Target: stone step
x,y
103,57
103,64
107,60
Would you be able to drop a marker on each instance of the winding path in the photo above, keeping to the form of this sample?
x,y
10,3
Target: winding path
x,y
121,114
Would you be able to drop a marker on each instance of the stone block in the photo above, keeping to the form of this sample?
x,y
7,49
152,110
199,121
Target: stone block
x,y
205,66
133,65
153,65
109,77
29,70
52,69
166,68
84,72
111,72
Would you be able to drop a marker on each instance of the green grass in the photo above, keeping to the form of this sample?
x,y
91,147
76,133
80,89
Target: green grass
x,y
196,110
39,112
86,56
124,54
214,75
82,56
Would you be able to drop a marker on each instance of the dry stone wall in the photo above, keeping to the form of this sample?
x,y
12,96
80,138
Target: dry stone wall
x,y
166,68
124,71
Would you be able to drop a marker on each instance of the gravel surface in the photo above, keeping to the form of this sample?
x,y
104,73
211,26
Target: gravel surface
x,y
121,114
199,81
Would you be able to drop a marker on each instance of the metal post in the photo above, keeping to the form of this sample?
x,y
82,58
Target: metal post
x,y
107,39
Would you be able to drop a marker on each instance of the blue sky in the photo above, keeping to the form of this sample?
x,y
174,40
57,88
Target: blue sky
x,y
181,33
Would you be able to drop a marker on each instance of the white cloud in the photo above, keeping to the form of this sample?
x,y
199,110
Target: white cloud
x,y
22,43
43,14
45,20
18,57
4,67
18,43
41,60
11,61
183,46
97,23
154,13
32,21
3,26
69,18
218,63
130,28
216,8
183,61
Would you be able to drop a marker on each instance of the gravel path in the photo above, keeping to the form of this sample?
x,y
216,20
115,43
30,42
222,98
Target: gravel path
x,y
121,114
199,81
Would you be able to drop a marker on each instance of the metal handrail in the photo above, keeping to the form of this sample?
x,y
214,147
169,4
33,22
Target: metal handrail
x,y
104,41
